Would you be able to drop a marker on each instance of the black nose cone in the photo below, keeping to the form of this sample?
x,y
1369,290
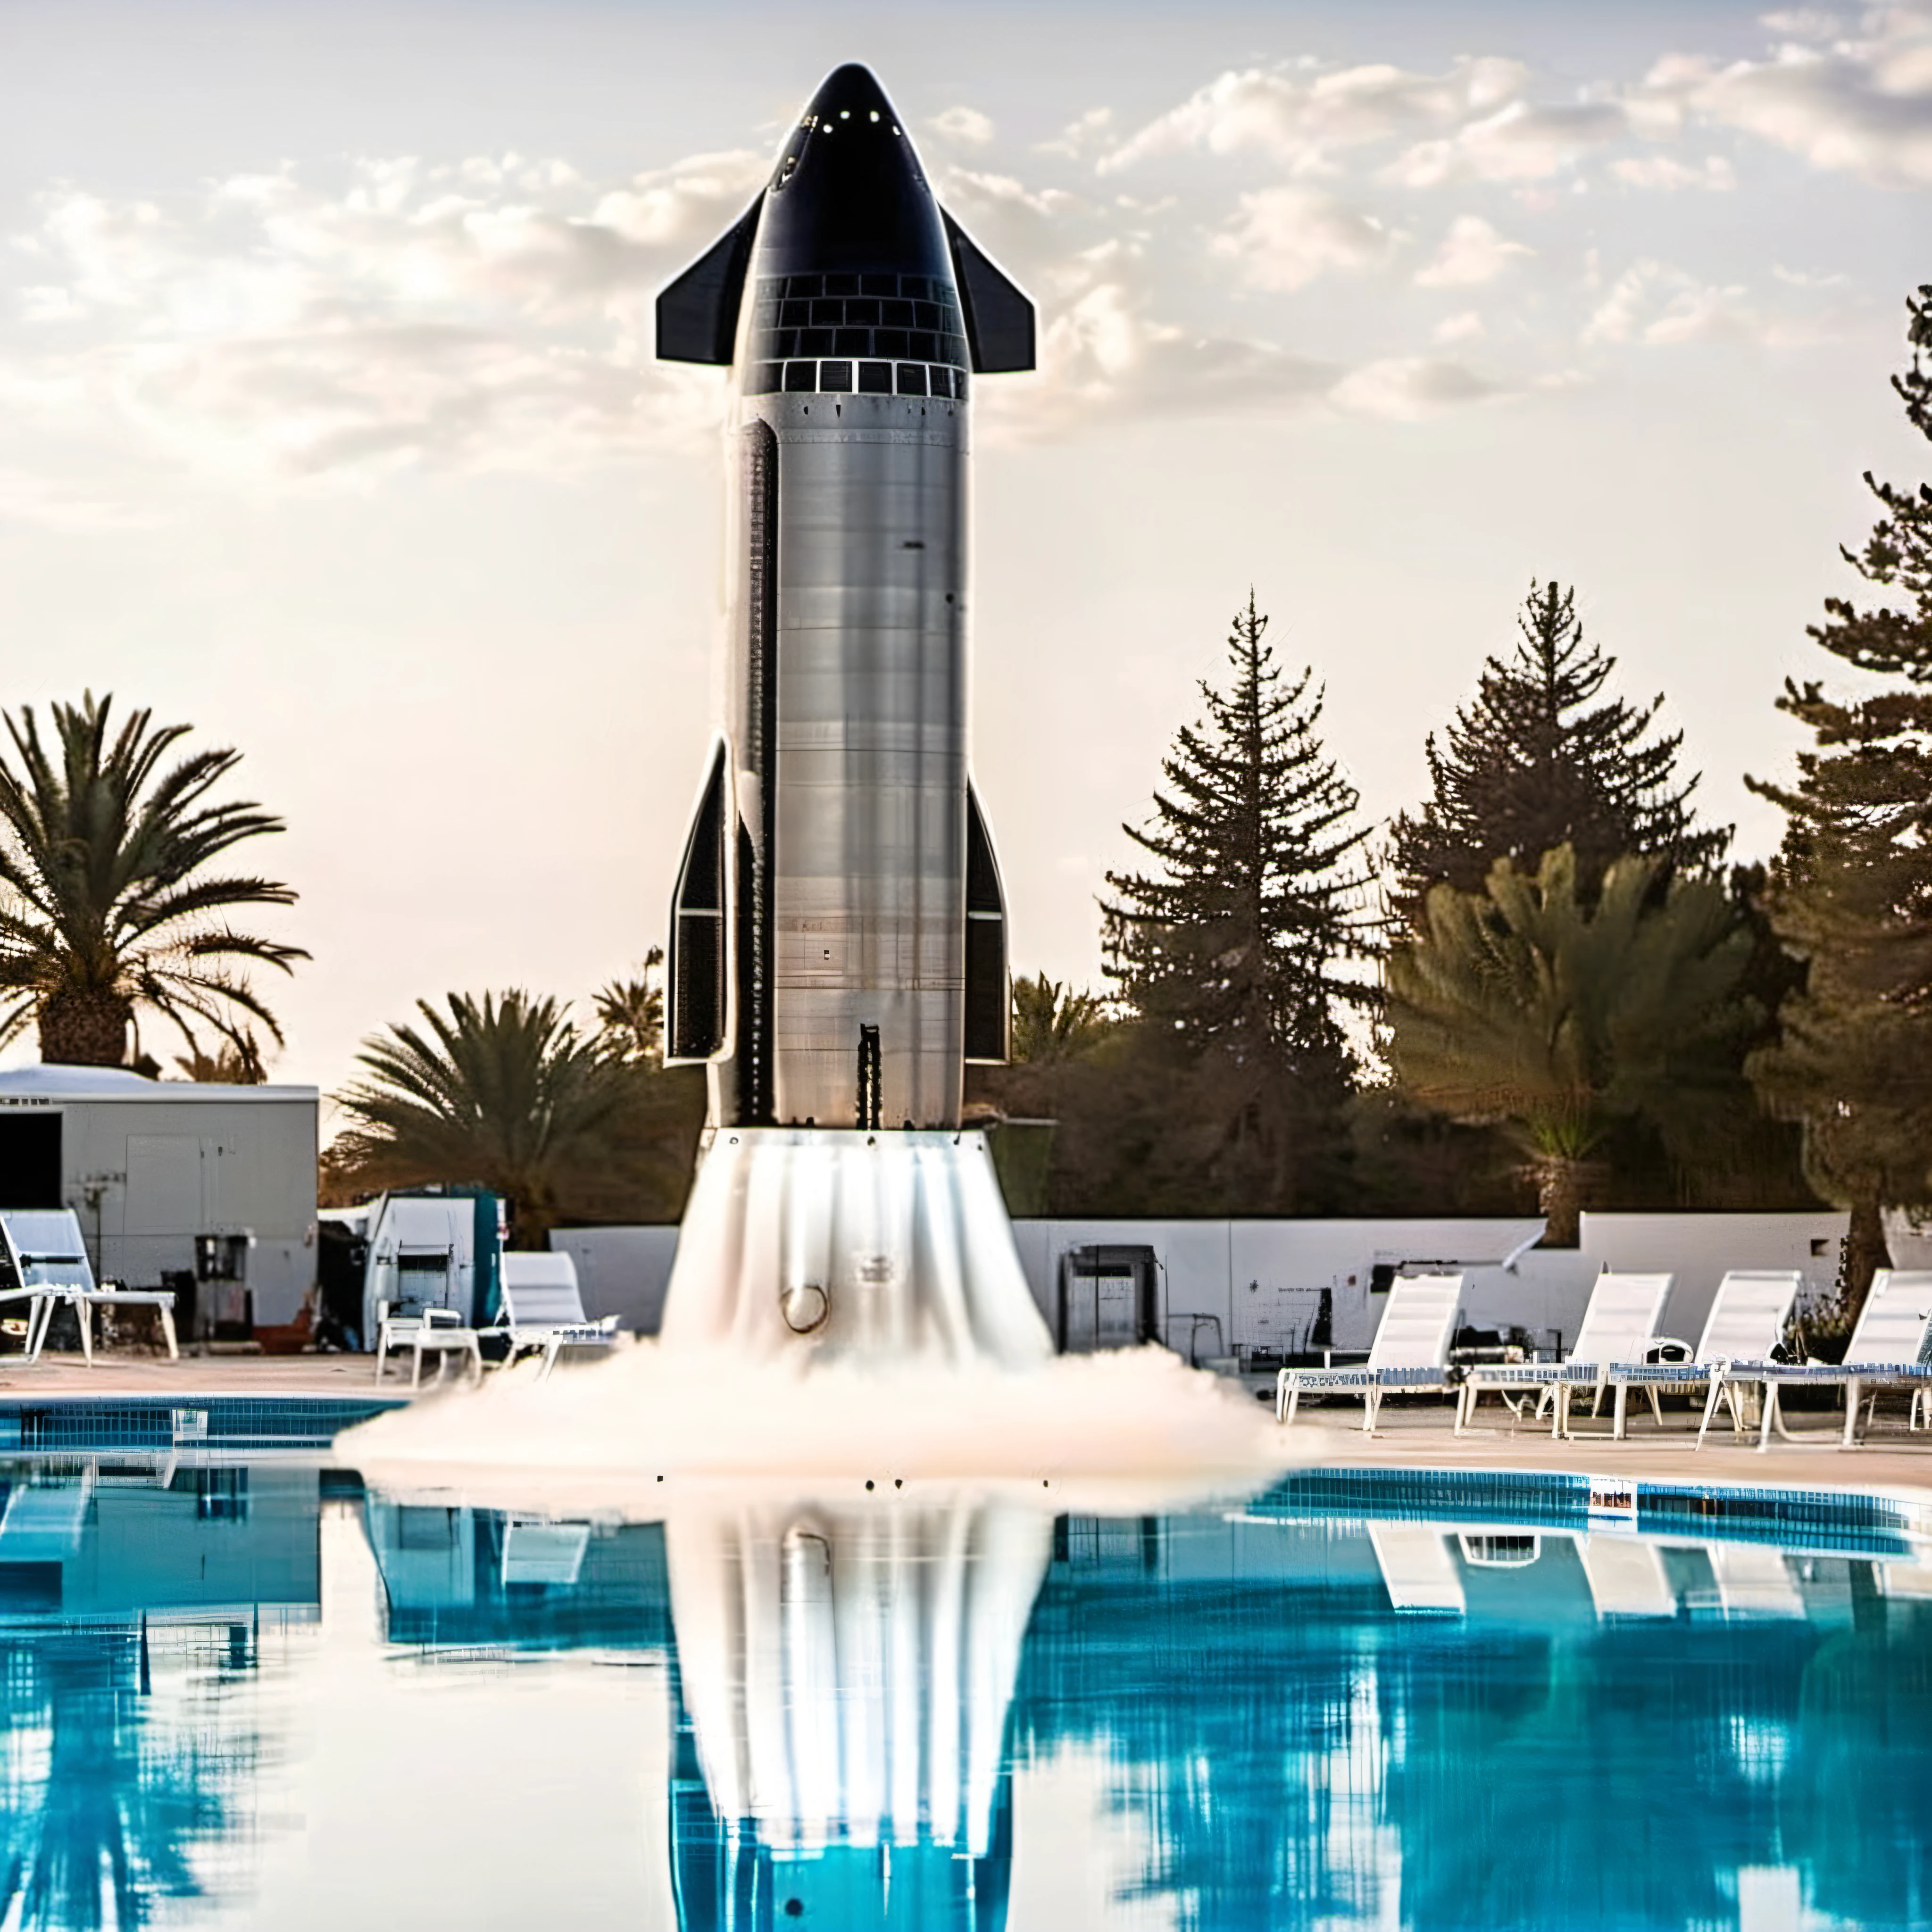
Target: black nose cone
x,y
848,195
851,90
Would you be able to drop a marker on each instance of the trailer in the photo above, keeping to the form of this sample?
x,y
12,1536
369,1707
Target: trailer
x,y
209,1190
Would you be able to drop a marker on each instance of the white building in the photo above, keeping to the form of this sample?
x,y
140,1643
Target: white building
x,y
171,1177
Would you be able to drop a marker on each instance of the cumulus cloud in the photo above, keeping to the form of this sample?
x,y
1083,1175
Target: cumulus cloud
x,y
1666,174
1467,326
1804,23
1093,130
1405,388
1106,352
1299,117
1472,251
1656,304
491,312
964,127
1519,143
1860,105
1285,238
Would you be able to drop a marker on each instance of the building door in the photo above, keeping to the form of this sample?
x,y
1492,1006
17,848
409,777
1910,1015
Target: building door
x,y
1106,1298
30,1160
164,1185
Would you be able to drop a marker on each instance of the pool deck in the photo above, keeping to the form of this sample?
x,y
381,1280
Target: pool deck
x,y
1413,1435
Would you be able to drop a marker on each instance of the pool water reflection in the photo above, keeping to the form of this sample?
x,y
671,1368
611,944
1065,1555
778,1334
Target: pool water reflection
x,y
257,1696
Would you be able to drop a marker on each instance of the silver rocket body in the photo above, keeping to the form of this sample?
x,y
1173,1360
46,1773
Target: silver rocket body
x,y
867,855
838,944
838,949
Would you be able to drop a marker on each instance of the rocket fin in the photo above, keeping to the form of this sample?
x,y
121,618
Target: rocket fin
x,y
988,999
999,318
697,315
695,973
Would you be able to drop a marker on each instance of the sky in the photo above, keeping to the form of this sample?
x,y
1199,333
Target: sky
x,y
329,423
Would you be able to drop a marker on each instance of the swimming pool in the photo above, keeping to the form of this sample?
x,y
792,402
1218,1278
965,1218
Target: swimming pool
x,y
255,1694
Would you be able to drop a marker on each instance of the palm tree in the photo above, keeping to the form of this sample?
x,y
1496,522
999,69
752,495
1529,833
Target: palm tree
x,y
1053,1022
1522,1007
105,904
630,1014
504,1091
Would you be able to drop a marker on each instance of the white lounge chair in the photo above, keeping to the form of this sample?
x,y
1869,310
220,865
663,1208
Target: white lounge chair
x,y
543,1308
1418,1570
47,1260
1746,1319
1618,1326
441,1332
1753,1580
1410,1351
1886,1351
1627,1576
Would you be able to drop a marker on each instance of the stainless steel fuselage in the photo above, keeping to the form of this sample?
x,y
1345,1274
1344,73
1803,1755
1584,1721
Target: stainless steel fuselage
x,y
866,848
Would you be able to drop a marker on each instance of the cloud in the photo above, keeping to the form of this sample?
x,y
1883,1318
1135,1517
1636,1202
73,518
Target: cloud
x,y
493,312
1518,142
32,498
1654,305
1285,237
964,127
1093,129
1804,23
1861,106
1298,118
1661,171
1106,354
1403,388
1472,251
1467,327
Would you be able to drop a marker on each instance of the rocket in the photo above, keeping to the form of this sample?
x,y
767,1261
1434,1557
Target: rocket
x,y
838,949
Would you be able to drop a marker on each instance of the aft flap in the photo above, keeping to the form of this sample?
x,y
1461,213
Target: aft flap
x,y
989,997
999,318
694,972
697,315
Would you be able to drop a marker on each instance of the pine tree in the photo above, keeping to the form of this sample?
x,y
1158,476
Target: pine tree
x,y
1851,893
1532,763
1228,953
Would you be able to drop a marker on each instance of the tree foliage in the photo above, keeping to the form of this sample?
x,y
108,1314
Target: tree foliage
x,y
505,1091
1534,761
1053,1022
107,904
1225,1091
630,1014
1529,1006
1851,893
1233,940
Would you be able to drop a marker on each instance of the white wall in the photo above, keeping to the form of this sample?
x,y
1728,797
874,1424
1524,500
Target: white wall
x,y
1698,1249
621,1271
1259,1280
145,1173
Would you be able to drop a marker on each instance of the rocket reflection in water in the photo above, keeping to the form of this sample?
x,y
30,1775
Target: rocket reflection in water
x,y
846,1675
839,947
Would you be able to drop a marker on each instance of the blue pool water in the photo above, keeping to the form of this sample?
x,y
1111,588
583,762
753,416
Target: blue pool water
x,y
257,1695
